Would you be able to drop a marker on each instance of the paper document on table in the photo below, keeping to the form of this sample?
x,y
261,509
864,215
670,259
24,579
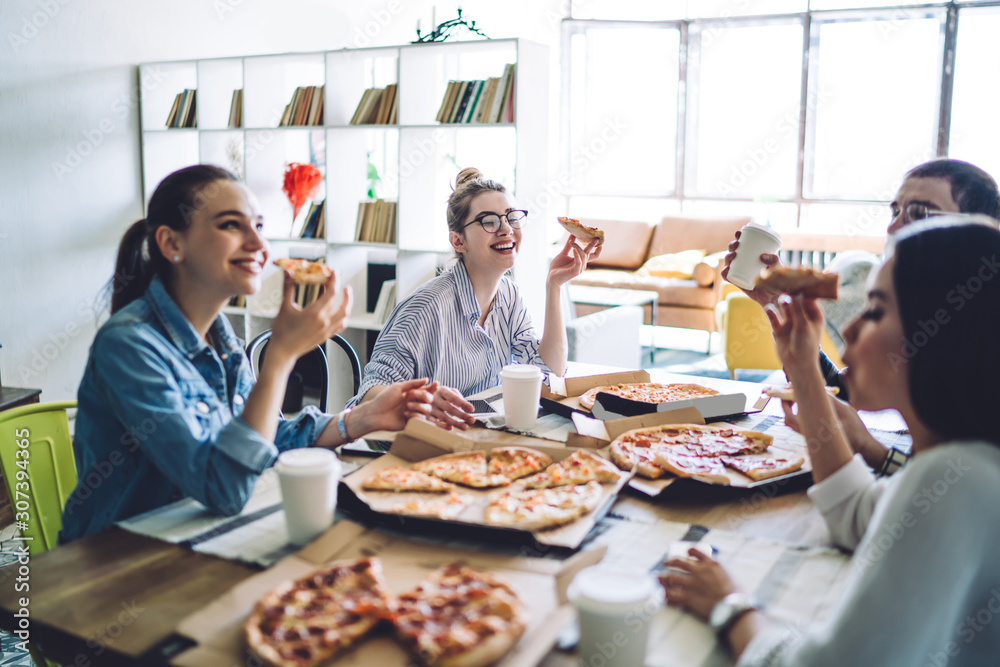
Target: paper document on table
x,y
797,585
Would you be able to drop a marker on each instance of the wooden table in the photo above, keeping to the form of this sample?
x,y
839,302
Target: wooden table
x,y
115,597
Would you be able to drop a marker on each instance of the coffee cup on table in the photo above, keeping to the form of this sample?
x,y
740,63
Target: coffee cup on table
x,y
522,388
615,608
755,240
309,479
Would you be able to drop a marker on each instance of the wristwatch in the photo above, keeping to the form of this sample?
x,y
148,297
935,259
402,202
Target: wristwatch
x,y
729,609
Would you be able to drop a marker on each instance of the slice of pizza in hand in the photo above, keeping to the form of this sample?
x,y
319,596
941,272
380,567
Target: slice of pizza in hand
x,y
517,462
807,282
702,467
787,393
580,467
402,479
304,623
758,468
460,617
466,468
305,272
582,232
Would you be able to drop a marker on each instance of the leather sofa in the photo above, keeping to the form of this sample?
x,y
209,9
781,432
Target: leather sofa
x,y
683,302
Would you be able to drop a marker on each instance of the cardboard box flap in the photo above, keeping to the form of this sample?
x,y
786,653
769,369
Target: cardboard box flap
x,y
422,429
597,433
574,386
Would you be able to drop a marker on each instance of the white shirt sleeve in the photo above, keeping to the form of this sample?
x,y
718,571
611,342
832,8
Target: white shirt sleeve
x,y
847,500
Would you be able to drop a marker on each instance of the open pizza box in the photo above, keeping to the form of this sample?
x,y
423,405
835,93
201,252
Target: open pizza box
x,y
566,392
539,583
598,434
423,440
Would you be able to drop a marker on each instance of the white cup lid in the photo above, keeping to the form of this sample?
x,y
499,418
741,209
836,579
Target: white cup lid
x,y
521,372
307,461
764,229
603,590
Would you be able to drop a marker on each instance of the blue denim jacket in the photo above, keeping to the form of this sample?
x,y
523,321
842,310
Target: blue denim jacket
x,y
159,419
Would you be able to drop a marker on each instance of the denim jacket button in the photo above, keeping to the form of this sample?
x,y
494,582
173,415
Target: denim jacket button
x,y
237,399
203,407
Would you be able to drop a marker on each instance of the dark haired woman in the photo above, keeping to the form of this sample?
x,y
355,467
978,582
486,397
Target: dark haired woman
x,y
462,327
168,407
925,581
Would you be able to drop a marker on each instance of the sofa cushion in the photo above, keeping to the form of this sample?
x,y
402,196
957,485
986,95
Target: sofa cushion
x,y
625,243
674,265
672,291
677,233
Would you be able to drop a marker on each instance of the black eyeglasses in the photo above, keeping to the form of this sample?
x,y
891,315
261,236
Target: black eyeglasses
x,y
491,221
916,211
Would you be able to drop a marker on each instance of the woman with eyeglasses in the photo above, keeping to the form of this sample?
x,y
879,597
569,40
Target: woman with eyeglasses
x,y
463,326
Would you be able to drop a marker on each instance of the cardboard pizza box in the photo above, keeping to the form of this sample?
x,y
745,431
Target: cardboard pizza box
x,y
567,392
423,440
540,584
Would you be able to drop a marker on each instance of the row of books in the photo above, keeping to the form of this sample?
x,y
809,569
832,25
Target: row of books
x,y
306,107
183,113
306,294
386,301
376,222
236,109
378,106
484,101
314,226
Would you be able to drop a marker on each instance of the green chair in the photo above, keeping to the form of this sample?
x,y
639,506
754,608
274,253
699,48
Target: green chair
x,y
39,471
47,471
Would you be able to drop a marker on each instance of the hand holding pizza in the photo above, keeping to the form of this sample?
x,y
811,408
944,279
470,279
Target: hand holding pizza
x,y
797,325
297,330
572,261
761,295
700,584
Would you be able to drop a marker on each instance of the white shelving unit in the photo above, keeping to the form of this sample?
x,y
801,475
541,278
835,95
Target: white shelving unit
x,y
417,159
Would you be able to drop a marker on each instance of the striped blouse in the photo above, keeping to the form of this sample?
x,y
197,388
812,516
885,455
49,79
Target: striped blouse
x,y
435,334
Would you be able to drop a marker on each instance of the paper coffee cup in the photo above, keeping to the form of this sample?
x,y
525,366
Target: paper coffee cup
x,y
755,240
309,479
615,609
522,388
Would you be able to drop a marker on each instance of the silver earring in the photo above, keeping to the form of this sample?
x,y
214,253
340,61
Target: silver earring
x,y
177,258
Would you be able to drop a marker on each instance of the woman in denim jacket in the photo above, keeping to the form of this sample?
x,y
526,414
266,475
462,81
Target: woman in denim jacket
x,y
168,406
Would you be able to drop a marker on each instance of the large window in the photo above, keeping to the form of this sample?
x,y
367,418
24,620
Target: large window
x,y
804,113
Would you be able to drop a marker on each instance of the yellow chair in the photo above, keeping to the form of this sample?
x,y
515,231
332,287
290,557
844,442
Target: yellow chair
x,y
39,471
746,336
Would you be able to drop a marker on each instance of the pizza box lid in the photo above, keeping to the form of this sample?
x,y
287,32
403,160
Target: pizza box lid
x,y
541,585
421,440
609,406
561,388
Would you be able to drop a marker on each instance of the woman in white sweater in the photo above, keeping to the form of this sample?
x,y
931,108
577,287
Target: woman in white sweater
x,y
925,583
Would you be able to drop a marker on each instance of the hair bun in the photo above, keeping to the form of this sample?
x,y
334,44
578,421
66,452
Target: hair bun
x,y
466,175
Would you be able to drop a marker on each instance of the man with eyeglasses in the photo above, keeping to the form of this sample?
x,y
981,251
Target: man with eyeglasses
x,y
933,188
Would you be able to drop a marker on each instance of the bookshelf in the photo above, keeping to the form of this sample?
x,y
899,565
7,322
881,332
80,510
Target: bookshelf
x,y
415,158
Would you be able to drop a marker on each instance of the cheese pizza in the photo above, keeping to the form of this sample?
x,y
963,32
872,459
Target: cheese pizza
x,y
541,509
647,392
580,467
403,479
466,468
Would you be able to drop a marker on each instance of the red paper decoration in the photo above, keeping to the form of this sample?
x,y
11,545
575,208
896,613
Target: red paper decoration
x,y
301,182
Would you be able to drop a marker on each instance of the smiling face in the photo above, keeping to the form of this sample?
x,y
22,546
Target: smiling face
x,y
934,193
481,250
875,375
222,252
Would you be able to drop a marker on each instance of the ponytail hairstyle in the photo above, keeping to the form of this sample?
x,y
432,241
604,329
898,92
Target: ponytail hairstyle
x,y
139,256
468,185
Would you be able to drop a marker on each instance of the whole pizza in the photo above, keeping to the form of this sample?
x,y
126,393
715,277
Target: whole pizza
x,y
647,392
698,450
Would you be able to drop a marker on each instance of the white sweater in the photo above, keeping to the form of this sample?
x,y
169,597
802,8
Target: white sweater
x,y
924,587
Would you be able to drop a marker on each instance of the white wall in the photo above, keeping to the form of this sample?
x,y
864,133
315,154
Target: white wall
x,y
70,181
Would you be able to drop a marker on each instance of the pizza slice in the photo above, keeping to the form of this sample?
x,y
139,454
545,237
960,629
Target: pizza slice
x,y
807,282
304,271
466,468
759,468
541,509
683,465
787,393
582,232
516,462
304,623
402,479
580,467
448,507
636,453
460,617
